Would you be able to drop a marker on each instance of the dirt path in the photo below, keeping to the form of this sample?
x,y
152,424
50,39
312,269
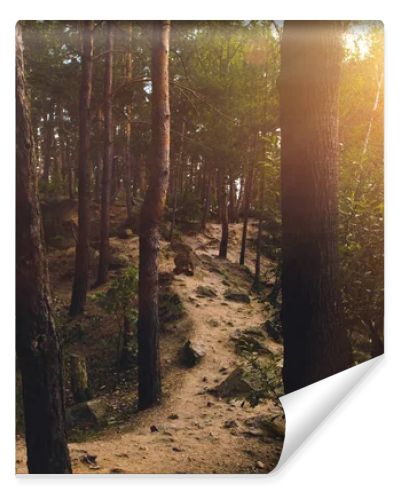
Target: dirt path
x,y
192,431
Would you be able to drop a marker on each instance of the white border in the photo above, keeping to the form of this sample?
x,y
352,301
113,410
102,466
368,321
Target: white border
x,y
355,452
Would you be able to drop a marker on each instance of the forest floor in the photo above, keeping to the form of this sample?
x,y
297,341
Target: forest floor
x,y
193,430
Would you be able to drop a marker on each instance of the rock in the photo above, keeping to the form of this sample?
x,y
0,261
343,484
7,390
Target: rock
x,y
124,233
153,428
170,307
230,424
260,465
176,448
191,354
205,291
262,425
237,296
91,412
274,330
119,261
213,322
234,385
117,470
89,460
250,340
184,259
173,416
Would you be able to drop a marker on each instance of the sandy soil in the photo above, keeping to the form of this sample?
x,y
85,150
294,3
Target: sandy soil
x,y
192,431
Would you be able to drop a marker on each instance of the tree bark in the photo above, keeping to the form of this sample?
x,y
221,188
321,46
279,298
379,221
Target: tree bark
x,y
128,170
315,342
223,213
81,276
152,210
176,173
48,143
247,198
38,347
257,270
207,199
104,257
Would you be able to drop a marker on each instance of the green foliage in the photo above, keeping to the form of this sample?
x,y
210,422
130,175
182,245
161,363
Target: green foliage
x,y
118,300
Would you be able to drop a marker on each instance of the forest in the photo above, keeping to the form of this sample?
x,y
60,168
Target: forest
x,y
199,231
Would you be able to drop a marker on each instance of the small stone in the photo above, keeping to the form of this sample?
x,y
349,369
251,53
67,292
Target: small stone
x,y
237,296
260,465
230,424
177,449
173,416
153,428
117,470
205,291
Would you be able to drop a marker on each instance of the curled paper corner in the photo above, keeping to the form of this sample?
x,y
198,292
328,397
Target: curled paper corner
x,y
307,408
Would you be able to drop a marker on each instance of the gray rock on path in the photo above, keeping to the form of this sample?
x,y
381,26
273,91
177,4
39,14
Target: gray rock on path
x,y
237,296
191,354
91,412
205,291
234,385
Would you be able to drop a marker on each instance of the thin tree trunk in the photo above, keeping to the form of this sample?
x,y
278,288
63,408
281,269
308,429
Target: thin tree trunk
x,y
232,200
107,160
38,347
207,199
247,198
128,133
70,174
48,143
152,210
223,214
315,342
81,277
257,270
177,169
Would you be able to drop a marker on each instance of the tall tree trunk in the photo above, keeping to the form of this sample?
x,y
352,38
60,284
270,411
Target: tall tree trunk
x,y
152,210
315,342
128,170
81,276
207,199
257,270
70,173
48,143
176,173
223,213
247,198
38,347
107,160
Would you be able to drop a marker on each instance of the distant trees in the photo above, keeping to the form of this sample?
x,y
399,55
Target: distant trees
x,y
81,275
38,347
315,341
107,158
150,218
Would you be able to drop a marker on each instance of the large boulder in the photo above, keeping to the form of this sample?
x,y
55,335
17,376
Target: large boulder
x,y
94,412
